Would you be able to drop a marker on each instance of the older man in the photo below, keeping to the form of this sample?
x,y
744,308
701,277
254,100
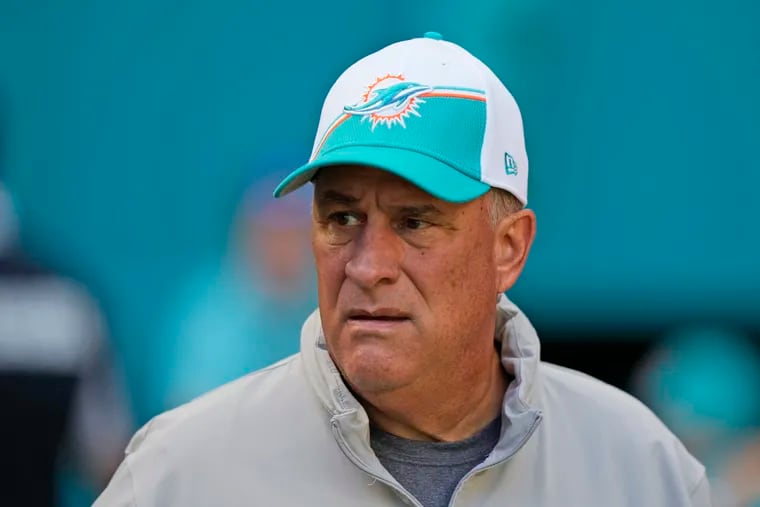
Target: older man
x,y
417,382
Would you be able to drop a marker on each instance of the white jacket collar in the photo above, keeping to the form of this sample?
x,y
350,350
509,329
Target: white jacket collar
x,y
520,358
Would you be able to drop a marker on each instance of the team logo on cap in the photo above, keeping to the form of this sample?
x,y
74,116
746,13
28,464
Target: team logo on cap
x,y
390,100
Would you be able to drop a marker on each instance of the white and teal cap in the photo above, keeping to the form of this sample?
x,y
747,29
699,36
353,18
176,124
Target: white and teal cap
x,y
428,111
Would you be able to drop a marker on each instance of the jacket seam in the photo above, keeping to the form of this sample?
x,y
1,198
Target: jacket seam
x,y
512,327
132,489
697,484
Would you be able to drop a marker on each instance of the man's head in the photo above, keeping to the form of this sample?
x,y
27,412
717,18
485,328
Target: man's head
x,y
420,182
408,282
274,238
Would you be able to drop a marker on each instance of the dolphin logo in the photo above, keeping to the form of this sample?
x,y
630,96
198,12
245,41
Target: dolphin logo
x,y
389,101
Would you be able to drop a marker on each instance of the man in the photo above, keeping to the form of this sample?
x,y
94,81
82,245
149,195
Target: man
x,y
263,287
417,382
719,421
63,404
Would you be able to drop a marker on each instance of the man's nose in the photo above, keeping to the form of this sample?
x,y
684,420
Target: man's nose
x,y
376,258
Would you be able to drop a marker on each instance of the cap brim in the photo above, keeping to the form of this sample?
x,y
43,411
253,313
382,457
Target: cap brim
x,y
431,175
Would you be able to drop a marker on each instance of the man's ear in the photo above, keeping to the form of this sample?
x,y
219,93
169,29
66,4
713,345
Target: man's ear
x,y
513,237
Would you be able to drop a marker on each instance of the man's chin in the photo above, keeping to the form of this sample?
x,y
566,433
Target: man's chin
x,y
374,378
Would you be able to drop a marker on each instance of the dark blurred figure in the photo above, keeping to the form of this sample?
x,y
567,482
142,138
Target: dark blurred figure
x,y
231,316
704,382
63,415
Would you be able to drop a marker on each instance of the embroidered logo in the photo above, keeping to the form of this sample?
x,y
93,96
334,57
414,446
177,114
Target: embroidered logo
x,y
510,166
390,100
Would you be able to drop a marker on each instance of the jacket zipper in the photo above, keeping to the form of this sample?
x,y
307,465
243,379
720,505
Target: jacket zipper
x,y
360,464
477,470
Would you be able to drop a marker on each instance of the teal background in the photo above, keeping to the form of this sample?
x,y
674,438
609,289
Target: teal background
x,y
130,130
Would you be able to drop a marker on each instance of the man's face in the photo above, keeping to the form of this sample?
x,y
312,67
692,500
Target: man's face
x,y
407,282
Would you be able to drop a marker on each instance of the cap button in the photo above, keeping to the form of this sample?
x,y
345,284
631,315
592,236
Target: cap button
x,y
433,35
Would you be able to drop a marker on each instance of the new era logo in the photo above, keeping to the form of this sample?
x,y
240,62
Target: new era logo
x,y
510,166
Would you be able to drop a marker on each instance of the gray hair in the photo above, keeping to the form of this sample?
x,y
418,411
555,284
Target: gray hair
x,y
502,204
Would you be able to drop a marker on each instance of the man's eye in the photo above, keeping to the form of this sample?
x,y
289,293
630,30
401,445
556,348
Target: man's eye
x,y
344,218
415,224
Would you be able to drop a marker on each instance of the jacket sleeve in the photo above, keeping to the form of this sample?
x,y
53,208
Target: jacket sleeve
x,y
120,491
700,495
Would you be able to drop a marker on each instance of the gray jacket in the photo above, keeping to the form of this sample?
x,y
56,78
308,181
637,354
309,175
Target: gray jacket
x,y
293,435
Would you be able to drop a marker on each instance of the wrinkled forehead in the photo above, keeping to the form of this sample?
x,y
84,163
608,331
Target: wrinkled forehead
x,y
362,181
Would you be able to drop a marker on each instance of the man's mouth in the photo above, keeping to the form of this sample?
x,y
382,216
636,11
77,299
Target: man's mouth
x,y
379,315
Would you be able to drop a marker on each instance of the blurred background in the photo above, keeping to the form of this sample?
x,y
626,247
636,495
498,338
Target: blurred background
x,y
143,263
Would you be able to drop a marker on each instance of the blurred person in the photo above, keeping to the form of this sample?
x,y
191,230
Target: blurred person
x,y
246,312
64,413
704,382
418,382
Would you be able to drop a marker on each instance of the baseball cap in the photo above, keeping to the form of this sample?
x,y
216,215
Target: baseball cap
x,y
428,111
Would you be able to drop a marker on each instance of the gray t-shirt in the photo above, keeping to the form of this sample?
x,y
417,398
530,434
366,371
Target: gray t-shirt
x,y
431,470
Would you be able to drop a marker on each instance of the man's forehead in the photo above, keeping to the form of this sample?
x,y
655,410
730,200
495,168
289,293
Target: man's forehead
x,y
358,181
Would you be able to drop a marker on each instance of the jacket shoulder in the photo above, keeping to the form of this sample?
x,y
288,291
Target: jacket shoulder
x,y
587,401
597,419
242,441
270,390
580,388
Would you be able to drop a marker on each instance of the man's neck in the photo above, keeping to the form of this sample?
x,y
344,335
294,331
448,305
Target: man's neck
x,y
441,414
